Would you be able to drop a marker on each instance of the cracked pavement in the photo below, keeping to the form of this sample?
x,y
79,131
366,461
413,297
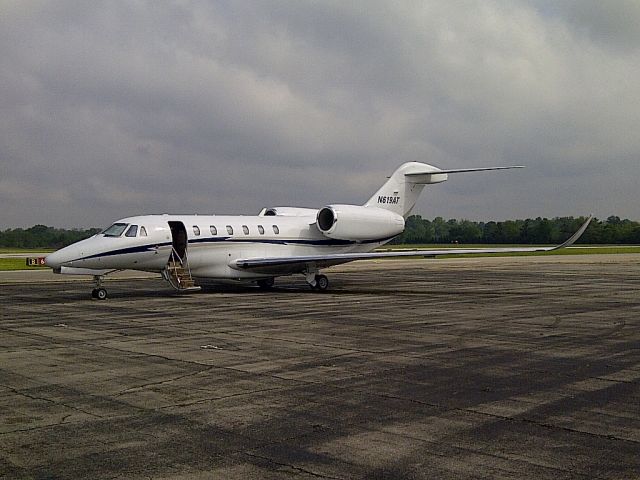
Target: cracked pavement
x,y
519,367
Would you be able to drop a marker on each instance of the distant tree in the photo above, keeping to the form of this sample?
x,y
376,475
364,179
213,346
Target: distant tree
x,y
509,231
440,230
465,231
490,232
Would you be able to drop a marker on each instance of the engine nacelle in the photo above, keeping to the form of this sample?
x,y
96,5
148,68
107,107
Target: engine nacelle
x,y
288,212
356,223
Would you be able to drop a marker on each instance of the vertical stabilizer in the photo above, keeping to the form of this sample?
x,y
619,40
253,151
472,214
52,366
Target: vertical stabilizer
x,y
403,188
400,193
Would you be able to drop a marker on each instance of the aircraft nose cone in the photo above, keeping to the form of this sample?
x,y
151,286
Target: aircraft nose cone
x,y
53,260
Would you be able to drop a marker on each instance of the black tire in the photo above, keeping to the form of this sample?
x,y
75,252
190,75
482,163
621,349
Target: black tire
x,y
322,283
94,293
101,294
266,283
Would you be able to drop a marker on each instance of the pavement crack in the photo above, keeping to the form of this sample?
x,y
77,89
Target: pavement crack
x,y
215,399
162,382
511,419
630,382
293,467
463,449
45,399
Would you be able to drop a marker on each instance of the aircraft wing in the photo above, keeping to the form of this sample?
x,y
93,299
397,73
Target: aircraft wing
x,y
267,264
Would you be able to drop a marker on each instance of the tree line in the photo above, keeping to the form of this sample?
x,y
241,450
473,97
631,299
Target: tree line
x,y
613,230
41,236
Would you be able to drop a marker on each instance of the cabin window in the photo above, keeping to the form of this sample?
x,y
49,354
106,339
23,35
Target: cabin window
x,y
276,230
143,232
261,229
213,230
229,229
245,229
132,232
115,230
196,230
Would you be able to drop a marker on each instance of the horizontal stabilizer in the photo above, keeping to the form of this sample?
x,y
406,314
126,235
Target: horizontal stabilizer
x,y
461,170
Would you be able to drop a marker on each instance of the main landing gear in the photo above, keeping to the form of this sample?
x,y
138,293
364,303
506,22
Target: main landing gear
x,y
317,281
322,283
99,293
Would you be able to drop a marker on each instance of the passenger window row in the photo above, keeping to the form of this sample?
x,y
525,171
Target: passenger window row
x,y
116,230
245,229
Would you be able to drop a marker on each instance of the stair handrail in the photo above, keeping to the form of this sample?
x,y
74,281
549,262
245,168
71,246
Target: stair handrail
x,y
174,255
186,261
182,261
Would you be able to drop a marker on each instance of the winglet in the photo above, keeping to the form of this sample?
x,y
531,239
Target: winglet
x,y
576,235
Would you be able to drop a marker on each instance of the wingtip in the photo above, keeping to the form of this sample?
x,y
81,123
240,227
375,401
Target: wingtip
x,y
574,238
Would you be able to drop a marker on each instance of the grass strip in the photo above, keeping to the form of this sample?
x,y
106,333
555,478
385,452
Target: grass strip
x,y
11,264
26,250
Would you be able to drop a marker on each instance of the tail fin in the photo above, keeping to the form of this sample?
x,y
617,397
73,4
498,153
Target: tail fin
x,y
400,193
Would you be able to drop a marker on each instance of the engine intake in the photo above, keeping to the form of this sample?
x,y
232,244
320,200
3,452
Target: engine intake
x,y
326,219
357,223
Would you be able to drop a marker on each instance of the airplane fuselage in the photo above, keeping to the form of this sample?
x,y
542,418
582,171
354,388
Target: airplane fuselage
x,y
213,242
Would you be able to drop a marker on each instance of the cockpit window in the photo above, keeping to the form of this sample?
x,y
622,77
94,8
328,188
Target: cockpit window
x,y
143,232
115,230
132,232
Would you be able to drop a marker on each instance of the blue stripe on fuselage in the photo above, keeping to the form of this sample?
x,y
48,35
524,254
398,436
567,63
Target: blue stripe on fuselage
x,y
146,248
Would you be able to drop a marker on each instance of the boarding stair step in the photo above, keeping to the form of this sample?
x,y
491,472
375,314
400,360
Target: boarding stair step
x,y
180,277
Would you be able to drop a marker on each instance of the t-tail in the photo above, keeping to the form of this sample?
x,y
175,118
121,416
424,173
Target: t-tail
x,y
400,193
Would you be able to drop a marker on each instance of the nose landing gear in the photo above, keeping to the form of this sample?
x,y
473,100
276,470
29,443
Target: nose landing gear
x,y
99,293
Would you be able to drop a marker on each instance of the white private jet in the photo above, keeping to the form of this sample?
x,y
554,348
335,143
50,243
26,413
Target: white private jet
x,y
189,250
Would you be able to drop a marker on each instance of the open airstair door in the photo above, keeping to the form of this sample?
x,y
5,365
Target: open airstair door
x,y
179,239
177,271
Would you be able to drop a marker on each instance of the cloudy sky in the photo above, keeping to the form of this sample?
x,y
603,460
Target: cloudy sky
x,y
127,107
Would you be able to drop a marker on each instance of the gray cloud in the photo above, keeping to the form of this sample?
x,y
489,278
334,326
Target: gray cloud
x,y
118,108
611,24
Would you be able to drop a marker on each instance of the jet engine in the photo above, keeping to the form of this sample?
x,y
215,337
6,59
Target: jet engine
x,y
356,223
288,212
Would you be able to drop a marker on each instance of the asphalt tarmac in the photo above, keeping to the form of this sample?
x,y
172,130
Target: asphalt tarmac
x,y
415,369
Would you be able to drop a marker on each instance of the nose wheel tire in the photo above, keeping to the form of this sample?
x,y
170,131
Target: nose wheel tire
x,y
322,283
99,293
